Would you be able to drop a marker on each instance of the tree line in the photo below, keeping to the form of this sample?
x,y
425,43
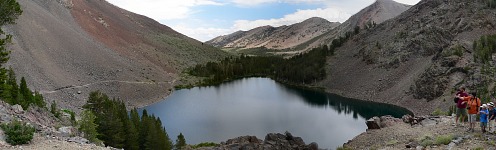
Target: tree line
x,y
484,47
303,68
107,120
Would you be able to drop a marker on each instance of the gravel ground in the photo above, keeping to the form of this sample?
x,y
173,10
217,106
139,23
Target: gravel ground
x,y
402,134
44,143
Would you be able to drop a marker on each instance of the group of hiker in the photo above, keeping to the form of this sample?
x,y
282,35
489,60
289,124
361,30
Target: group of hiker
x,y
468,104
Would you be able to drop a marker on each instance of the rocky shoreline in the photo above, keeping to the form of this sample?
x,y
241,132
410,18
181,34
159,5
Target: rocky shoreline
x,y
423,132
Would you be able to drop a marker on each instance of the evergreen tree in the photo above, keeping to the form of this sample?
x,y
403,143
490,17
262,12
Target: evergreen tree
x,y
88,126
26,94
180,142
132,136
54,110
118,129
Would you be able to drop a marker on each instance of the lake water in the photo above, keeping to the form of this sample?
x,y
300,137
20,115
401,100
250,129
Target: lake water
x,y
257,106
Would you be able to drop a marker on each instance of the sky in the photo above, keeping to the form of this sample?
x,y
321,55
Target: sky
x,y
206,19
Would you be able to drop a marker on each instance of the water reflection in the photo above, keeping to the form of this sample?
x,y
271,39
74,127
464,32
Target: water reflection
x,y
257,106
341,104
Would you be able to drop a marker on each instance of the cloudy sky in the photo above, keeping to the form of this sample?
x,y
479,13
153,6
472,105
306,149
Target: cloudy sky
x,y
206,19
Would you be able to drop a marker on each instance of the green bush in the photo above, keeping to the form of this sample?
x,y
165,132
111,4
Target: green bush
x,y
443,139
426,141
73,115
17,132
439,112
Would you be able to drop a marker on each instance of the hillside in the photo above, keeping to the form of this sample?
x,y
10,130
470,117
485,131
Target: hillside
x,y
378,12
68,48
279,38
417,59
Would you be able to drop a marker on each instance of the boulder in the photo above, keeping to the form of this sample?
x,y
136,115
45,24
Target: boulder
x,y
374,123
67,131
17,109
272,141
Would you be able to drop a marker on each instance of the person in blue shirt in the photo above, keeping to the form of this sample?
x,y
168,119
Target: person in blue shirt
x,y
483,117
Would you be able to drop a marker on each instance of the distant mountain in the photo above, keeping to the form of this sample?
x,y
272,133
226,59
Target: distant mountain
x,y
68,47
418,58
282,37
376,13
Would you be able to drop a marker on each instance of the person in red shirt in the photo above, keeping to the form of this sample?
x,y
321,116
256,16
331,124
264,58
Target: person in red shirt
x,y
461,106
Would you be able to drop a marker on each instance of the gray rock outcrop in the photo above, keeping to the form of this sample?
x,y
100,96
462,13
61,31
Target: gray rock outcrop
x,y
275,141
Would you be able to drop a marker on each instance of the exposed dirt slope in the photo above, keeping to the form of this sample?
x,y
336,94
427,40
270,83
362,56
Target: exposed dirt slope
x,y
409,60
60,45
282,37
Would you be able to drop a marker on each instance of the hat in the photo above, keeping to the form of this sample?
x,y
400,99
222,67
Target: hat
x,y
484,105
491,103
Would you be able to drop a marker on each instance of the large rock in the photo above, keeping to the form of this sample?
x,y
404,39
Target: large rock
x,y
374,123
275,141
17,109
67,131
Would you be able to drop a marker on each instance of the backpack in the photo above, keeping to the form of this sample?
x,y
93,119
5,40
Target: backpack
x,y
477,100
456,100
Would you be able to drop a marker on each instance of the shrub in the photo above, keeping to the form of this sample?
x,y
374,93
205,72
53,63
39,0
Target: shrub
x,y
73,115
443,139
438,112
17,132
426,141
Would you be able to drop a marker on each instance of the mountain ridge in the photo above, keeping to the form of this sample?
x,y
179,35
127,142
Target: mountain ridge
x,y
282,37
68,48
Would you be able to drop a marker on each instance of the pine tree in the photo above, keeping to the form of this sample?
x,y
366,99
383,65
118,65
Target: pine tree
x,y
180,142
132,137
88,126
26,94
54,110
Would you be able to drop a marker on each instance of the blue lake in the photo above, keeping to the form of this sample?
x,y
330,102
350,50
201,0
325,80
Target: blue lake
x,y
257,106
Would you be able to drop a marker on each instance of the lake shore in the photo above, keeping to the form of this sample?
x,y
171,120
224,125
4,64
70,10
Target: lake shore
x,y
434,132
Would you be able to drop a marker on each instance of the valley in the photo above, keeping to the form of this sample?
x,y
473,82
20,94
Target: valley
x,y
392,56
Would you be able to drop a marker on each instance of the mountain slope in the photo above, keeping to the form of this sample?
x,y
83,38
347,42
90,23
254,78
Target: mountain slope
x,y
69,47
275,37
410,60
377,13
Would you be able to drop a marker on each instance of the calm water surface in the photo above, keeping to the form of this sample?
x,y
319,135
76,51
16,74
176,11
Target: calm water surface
x,y
257,106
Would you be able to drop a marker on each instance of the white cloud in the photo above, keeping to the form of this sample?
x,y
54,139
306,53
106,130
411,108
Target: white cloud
x,y
409,2
202,33
259,2
331,14
177,10
162,9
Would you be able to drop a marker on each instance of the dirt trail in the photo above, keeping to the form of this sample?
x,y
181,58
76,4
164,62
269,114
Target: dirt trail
x,y
100,82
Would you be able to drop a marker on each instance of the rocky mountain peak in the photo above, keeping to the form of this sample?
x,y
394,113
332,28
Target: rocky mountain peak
x,y
282,37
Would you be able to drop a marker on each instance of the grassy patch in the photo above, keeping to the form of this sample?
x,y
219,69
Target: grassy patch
x,y
426,141
439,112
492,143
392,142
443,139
